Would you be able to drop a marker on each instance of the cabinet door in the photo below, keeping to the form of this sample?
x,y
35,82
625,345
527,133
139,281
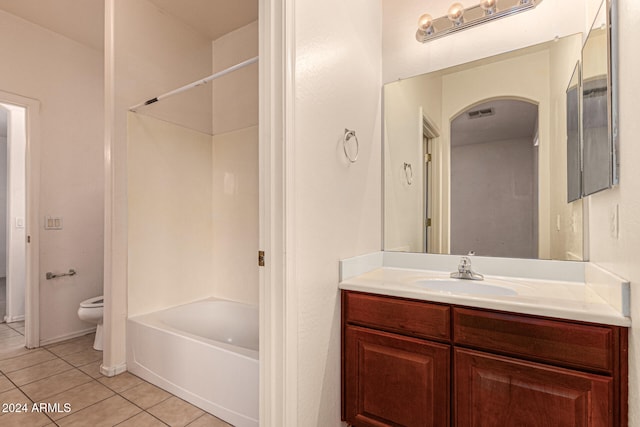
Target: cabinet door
x,y
494,391
391,380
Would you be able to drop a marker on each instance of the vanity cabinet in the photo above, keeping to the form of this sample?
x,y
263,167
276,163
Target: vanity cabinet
x,y
416,363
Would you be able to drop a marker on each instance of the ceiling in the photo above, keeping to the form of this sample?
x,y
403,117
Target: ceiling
x,y
83,20
512,120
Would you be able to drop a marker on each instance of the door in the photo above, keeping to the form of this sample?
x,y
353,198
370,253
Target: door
x,y
495,391
391,380
427,192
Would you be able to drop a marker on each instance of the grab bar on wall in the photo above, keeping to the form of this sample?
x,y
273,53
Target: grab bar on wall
x,y
50,275
195,84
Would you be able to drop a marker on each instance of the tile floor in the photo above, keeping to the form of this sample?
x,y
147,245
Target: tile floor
x,y
68,373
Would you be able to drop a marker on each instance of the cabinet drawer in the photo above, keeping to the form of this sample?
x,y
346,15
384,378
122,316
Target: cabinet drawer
x,y
564,343
414,318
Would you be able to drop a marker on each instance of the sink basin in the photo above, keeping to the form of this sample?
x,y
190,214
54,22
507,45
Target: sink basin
x,y
467,287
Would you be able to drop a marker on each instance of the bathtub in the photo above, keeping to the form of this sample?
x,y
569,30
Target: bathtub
x,y
204,352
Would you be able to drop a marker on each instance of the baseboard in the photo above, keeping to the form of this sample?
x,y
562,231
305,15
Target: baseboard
x,y
112,371
12,319
67,336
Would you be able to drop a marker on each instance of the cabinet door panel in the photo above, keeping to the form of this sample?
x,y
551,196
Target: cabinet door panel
x,y
494,391
395,381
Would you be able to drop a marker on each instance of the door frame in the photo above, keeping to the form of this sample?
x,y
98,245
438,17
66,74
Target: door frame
x,y
431,191
32,284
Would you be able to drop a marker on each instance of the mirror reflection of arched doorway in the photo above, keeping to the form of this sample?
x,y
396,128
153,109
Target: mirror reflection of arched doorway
x,y
494,175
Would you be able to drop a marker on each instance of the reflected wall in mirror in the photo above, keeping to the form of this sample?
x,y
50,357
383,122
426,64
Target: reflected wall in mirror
x,y
487,142
597,143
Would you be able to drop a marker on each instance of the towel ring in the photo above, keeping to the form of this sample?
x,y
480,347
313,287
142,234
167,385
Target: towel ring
x,y
409,174
347,136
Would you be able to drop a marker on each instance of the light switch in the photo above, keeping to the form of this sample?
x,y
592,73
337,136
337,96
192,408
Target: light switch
x,y
19,222
53,223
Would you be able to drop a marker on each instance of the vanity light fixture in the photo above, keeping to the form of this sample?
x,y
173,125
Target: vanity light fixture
x,y
489,6
455,14
459,18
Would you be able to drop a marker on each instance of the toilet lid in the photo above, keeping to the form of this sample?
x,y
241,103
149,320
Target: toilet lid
x,y
93,302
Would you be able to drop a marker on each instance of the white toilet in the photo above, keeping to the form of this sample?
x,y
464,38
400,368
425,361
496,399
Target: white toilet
x,y
92,310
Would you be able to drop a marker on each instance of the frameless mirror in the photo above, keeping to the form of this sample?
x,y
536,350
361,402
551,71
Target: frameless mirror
x,y
475,157
574,152
598,148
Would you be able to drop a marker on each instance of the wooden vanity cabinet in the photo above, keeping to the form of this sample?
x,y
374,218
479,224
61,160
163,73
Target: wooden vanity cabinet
x,y
415,363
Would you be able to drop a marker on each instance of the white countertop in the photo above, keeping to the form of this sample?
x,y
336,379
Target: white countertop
x,y
573,300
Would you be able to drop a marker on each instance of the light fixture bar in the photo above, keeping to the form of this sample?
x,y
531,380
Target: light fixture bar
x,y
470,17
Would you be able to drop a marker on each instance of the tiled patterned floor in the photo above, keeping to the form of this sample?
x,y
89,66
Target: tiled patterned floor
x,y
68,373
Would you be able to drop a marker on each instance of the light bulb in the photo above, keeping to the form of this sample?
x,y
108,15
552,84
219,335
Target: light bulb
x,y
455,13
425,22
489,6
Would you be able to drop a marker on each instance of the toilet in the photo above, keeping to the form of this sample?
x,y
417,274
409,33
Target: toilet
x,y
91,311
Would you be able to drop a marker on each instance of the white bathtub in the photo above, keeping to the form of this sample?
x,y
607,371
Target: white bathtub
x,y
205,352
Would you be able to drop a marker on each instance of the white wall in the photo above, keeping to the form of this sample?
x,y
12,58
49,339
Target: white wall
x,y
235,168
620,254
336,206
170,214
66,77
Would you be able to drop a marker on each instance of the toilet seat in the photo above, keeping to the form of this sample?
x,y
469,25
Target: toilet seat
x,y
94,302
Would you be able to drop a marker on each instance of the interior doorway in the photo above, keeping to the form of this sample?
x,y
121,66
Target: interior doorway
x,y
13,141
19,178
494,179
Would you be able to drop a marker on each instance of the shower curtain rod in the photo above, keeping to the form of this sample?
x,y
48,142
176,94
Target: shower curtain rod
x,y
196,83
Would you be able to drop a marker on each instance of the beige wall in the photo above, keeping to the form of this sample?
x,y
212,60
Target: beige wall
x,y
235,96
235,168
405,103
235,215
336,205
619,251
566,242
67,78
170,214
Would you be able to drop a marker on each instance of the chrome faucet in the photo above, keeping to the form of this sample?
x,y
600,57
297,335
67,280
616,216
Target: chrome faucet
x,y
465,271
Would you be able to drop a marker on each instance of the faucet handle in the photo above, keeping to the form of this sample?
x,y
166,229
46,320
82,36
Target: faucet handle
x,y
465,264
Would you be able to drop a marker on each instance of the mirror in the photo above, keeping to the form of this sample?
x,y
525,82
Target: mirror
x,y
475,157
574,126
597,124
